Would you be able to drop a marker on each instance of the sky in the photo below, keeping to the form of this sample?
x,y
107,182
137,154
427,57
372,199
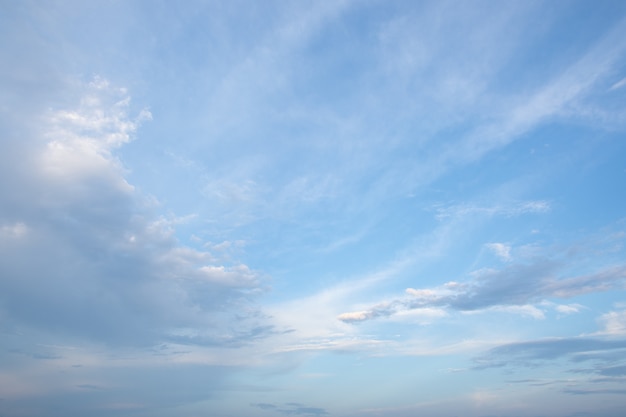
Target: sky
x,y
312,208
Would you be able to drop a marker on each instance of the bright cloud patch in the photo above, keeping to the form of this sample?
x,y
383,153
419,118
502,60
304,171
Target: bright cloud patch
x,y
568,308
614,322
502,250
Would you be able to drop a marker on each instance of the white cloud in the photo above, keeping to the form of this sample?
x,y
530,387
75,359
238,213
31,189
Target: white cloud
x,y
355,316
614,323
568,90
13,231
621,83
568,308
420,315
502,250
525,310
508,210
80,142
538,206
236,276
421,293
315,316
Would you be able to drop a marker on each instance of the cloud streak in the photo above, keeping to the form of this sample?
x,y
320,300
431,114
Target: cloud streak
x,y
290,409
514,286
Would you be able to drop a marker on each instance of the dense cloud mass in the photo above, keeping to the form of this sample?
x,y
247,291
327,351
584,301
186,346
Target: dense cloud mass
x,y
83,253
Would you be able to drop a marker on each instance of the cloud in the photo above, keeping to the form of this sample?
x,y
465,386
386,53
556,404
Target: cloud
x,y
567,309
101,307
522,310
511,289
613,371
306,411
502,250
621,83
568,95
296,409
235,276
530,352
13,231
614,323
594,391
82,252
264,406
357,316
605,354
506,210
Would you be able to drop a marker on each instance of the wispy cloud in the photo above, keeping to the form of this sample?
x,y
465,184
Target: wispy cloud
x,y
606,355
595,391
506,210
548,349
621,83
567,309
502,250
296,409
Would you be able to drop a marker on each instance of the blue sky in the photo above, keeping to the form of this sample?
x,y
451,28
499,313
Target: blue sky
x,y
313,208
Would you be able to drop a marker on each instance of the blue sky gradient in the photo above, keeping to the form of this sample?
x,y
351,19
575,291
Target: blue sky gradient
x,y
313,208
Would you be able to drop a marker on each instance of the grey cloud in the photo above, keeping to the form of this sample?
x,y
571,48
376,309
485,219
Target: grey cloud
x,y
613,371
82,254
595,392
542,350
523,284
93,281
307,411
264,406
297,409
232,339
601,377
600,356
516,285
537,382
